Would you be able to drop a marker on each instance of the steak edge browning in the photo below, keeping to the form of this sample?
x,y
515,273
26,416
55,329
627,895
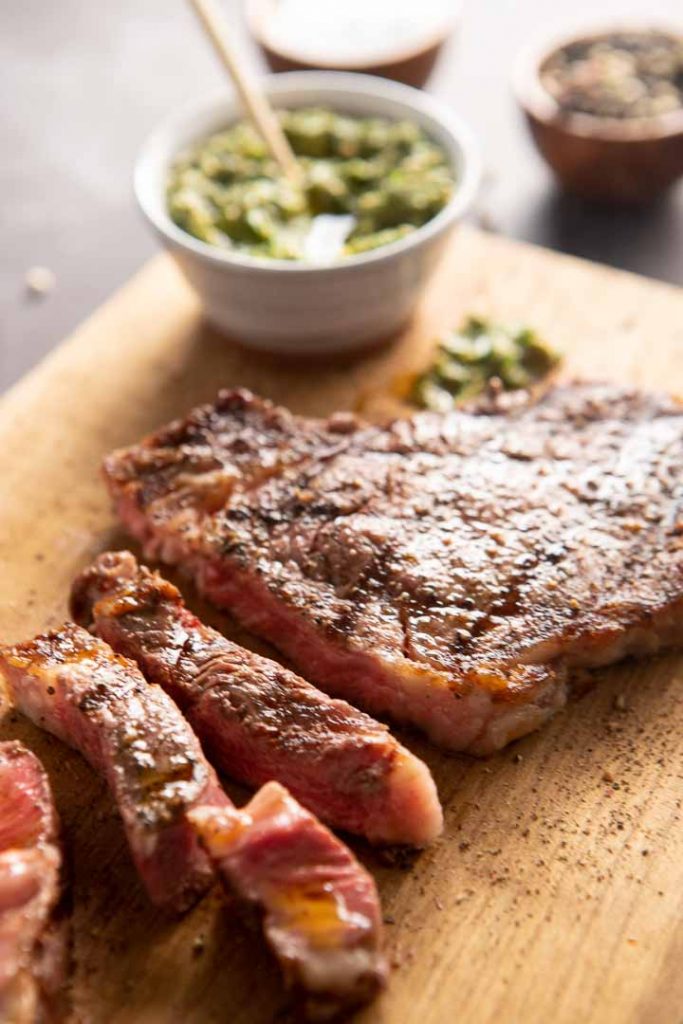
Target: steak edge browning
x,y
447,570
258,720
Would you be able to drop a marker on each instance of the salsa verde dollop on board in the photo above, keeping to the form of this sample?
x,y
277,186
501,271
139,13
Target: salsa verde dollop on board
x,y
478,355
389,175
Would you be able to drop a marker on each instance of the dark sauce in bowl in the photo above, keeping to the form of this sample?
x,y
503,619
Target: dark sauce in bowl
x,y
617,75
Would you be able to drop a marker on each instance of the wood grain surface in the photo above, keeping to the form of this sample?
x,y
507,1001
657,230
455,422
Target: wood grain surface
x,y
556,893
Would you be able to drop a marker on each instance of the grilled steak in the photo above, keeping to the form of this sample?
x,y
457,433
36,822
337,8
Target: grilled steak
x,y
74,686
258,720
448,570
321,911
30,864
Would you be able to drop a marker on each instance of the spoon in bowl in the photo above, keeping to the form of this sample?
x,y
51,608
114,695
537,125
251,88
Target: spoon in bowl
x,y
328,232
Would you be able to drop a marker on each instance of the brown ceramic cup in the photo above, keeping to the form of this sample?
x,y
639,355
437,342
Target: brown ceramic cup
x,y
411,66
630,160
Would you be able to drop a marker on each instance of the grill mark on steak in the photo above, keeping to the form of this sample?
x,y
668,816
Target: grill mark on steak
x,y
527,538
257,719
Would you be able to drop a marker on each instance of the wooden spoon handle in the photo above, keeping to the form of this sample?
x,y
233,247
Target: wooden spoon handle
x,y
254,99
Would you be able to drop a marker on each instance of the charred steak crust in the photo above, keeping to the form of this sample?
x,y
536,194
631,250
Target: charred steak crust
x,y
444,569
258,720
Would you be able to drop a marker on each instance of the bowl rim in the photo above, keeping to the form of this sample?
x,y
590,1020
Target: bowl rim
x,y
345,82
256,15
534,98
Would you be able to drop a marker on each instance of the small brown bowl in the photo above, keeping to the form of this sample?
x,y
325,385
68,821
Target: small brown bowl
x,y
410,66
628,160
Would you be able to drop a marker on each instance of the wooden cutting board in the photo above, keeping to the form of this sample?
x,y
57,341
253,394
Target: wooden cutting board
x,y
556,892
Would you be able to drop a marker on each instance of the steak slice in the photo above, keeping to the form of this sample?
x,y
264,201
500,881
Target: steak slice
x,y
258,720
32,945
322,914
447,570
74,686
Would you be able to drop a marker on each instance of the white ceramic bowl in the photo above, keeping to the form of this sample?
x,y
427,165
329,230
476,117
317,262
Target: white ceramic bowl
x,y
299,307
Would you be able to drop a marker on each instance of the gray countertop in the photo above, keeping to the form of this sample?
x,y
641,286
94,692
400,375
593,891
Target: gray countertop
x,y
83,83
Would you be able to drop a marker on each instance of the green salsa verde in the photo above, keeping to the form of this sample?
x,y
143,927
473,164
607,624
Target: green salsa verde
x,y
228,191
469,359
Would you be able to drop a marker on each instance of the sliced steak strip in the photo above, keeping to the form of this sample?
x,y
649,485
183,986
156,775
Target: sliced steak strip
x,y
447,570
32,945
74,686
321,910
258,720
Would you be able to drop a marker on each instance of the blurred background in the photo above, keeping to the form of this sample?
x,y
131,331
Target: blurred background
x,y
84,83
